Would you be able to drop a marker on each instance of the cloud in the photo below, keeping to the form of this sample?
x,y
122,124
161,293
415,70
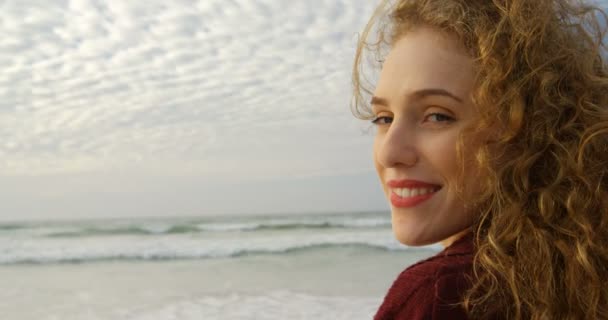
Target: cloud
x,y
244,87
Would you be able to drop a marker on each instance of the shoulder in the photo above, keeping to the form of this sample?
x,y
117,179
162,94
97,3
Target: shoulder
x,y
430,289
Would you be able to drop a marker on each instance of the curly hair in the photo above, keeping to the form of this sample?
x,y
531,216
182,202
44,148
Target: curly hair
x,y
542,78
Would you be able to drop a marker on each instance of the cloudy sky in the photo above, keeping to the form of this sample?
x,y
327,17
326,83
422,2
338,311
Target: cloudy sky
x,y
152,108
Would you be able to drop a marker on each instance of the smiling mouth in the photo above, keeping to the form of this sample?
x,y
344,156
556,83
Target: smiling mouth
x,y
411,197
414,192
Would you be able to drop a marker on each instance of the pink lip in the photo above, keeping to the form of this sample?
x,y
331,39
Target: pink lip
x,y
409,202
399,202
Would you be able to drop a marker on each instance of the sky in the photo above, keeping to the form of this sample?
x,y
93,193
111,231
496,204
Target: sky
x,y
114,108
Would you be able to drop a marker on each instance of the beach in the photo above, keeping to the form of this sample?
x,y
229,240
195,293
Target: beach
x,y
318,267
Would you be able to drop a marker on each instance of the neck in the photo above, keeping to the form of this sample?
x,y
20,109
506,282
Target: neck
x,y
451,239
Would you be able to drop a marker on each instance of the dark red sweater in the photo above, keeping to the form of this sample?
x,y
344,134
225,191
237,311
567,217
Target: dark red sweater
x,y
432,289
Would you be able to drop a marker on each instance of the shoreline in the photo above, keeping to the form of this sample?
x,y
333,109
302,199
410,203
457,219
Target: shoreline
x,y
107,290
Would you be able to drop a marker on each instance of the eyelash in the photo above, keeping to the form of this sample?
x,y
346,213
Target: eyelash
x,y
448,118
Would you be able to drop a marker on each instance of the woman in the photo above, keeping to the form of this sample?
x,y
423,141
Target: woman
x,y
492,138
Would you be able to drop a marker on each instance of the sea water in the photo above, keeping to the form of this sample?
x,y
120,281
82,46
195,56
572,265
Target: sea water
x,y
305,266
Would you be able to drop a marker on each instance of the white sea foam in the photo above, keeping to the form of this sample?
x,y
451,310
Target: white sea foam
x,y
273,306
168,226
334,221
169,247
79,242
228,226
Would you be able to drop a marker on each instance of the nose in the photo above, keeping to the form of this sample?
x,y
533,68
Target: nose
x,y
396,147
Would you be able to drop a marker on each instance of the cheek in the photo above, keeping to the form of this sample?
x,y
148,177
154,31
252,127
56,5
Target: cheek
x,y
440,150
375,153
379,168
378,165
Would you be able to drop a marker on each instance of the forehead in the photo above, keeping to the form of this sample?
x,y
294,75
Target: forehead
x,y
424,58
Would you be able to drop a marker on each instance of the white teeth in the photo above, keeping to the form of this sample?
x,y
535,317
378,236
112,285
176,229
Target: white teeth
x,y
413,192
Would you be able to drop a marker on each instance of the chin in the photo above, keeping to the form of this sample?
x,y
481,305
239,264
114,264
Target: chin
x,y
412,239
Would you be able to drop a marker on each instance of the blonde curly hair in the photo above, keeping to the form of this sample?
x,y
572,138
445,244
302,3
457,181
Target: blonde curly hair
x,y
542,229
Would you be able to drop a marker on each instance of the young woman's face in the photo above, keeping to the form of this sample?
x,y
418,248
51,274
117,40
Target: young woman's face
x,y
421,103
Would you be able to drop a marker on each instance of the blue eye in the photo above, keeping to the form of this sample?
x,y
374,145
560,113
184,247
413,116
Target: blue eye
x,y
440,117
382,120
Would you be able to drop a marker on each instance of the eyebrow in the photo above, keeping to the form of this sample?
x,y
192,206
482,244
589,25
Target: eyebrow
x,y
419,94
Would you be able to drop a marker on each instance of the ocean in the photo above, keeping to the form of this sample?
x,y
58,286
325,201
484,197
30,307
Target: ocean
x,y
304,266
